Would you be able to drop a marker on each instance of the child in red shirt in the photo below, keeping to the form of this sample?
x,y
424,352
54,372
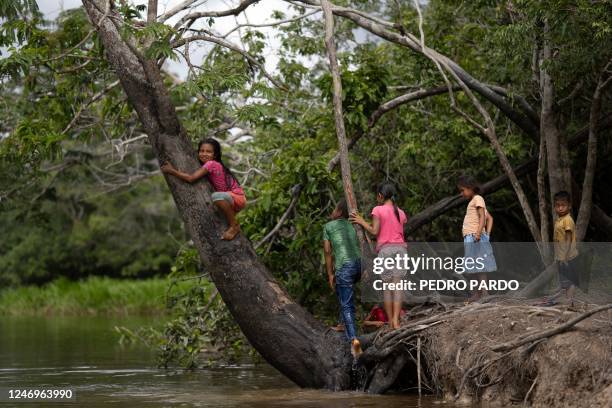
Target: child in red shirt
x,y
228,195
378,318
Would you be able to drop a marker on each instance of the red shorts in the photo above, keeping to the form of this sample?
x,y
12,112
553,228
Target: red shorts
x,y
239,201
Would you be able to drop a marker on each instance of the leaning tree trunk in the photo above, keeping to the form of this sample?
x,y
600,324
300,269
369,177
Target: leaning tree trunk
x,y
559,171
287,336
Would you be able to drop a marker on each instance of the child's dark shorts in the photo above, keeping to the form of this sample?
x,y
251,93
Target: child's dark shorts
x,y
568,274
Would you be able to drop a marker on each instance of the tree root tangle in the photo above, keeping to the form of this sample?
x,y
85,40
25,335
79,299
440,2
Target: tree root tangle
x,y
504,353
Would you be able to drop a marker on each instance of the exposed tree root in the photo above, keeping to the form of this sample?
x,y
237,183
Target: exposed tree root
x,y
505,353
551,332
386,372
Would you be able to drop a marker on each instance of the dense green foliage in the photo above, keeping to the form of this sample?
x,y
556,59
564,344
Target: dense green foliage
x,y
93,296
73,233
199,323
74,202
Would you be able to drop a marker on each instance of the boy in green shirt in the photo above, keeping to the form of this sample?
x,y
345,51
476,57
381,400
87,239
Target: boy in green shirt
x,y
343,264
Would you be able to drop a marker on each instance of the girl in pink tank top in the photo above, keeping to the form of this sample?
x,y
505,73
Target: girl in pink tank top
x,y
388,226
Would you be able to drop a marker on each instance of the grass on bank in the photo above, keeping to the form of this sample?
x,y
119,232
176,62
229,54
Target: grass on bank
x,y
90,297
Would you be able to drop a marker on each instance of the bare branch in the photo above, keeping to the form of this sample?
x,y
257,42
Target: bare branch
x,y
426,52
128,182
409,97
74,68
176,9
387,107
375,26
78,45
88,103
272,24
572,94
233,47
241,133
119,145
488,130
225,13
549,332
522,102
295,195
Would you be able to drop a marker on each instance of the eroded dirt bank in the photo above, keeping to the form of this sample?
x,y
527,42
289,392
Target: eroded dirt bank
x,y
503,353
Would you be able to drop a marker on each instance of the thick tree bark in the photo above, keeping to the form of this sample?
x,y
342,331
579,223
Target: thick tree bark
x,y
288,337
541,181
542,204
386,373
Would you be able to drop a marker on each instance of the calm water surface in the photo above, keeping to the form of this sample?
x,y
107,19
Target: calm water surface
x,y
83,354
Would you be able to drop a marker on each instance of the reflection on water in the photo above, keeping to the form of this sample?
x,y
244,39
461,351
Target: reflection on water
x,y
83,354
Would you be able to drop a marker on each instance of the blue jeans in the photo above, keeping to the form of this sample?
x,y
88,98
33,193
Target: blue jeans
x,y
346,276
481,249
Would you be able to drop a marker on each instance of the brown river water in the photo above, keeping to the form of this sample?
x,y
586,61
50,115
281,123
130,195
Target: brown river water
x,y
83,355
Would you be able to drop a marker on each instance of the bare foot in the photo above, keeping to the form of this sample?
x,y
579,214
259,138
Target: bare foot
x,y
231,232
338,328
356,348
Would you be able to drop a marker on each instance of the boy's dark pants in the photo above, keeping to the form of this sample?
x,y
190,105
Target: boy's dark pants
x,y
568,275
346,277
